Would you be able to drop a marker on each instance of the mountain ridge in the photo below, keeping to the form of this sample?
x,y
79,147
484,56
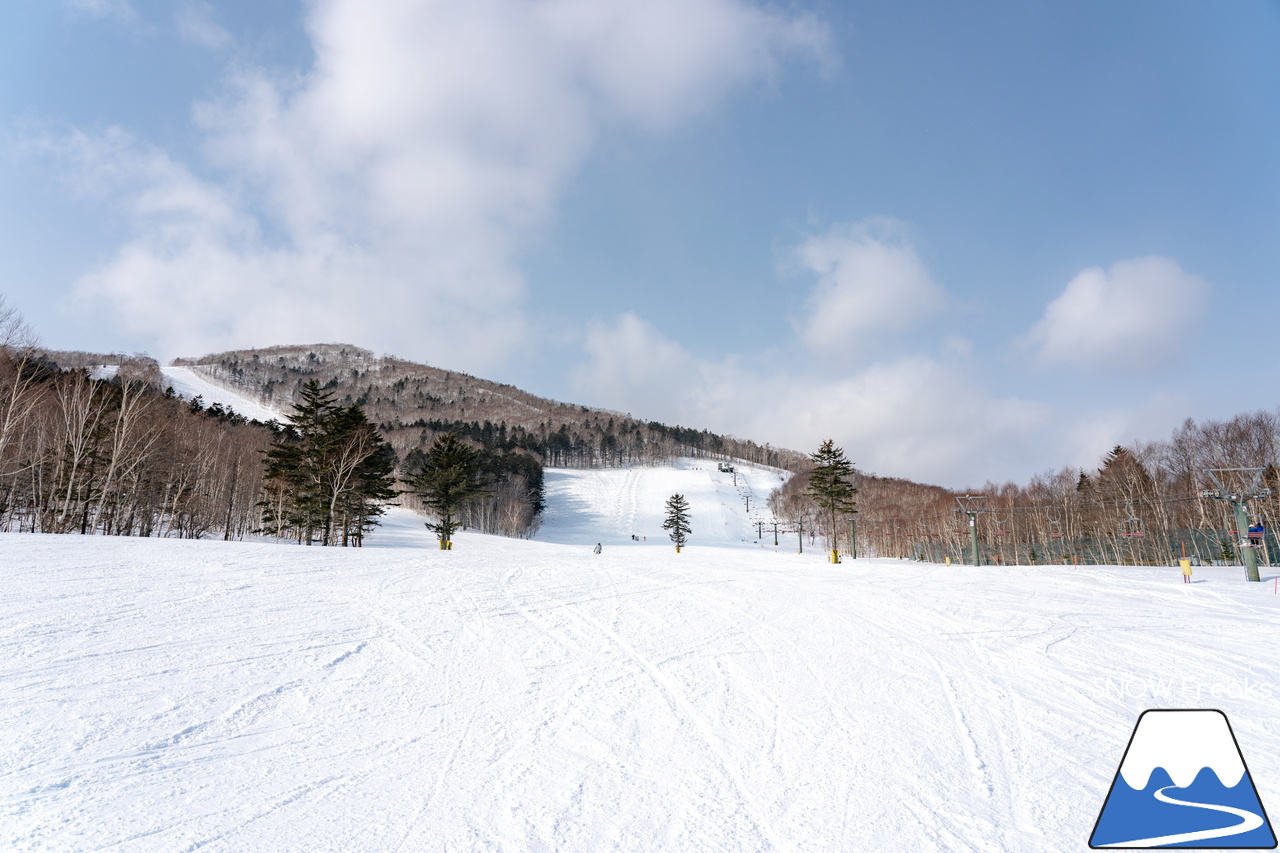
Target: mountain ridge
x,y
412,401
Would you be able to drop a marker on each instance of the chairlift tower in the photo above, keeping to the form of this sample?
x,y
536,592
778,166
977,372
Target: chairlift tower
x,y
972,506
1239,496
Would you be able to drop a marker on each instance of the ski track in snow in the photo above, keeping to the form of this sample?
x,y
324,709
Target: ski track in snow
x,y
187,695
609,505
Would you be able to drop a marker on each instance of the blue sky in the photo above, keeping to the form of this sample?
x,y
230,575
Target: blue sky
x,y
966,241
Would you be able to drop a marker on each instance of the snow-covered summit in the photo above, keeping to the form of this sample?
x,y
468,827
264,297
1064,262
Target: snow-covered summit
x,y
1183,743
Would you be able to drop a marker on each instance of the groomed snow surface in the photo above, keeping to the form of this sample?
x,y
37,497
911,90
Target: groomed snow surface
x,y
613,504
164,695
188,384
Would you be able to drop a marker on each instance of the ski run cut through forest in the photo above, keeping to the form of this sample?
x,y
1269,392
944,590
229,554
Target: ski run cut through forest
x,y
180,694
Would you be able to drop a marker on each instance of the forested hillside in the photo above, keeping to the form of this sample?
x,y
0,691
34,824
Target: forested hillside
x,y
116,455
87,450
413,402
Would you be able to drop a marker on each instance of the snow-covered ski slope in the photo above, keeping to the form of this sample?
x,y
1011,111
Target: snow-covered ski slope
x,y
164,695
188,384
606,505
609,505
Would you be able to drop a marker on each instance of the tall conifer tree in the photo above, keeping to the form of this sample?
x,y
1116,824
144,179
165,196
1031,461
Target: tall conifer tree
x,y
677,520
449,476
831,486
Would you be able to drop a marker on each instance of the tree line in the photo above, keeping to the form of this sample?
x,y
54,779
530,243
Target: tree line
x,y
113,450
508,498
1142,504
117,456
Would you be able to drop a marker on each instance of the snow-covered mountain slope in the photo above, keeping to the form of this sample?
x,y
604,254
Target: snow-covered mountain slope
x,y
609,505
399,393
189,384
599,505
166,695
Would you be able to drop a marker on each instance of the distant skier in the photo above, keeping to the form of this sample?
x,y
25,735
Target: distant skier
x,y
597,548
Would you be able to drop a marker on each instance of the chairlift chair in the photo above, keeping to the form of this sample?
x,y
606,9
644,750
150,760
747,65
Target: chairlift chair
x,y
1002,524
1131,527
1054,516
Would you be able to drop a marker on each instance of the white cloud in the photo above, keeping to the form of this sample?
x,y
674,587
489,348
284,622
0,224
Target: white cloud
x,y
870,281
385,196
1158,414
195,24
201,276
915,417
631,355
655,61
1134,316
929,418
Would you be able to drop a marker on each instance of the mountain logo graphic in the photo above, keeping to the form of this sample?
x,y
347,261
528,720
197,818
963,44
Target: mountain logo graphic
x,y
1183,782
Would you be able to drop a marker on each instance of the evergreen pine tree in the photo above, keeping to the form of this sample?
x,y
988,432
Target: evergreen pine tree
x,y
677,520
449,475
830,486
294,467
328,472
